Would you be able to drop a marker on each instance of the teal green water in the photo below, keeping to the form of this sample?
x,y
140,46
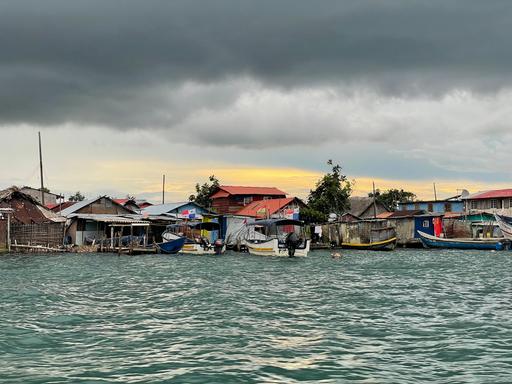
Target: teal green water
x,y
398,317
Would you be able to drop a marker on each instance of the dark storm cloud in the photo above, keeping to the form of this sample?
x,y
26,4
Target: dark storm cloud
x,y
123,63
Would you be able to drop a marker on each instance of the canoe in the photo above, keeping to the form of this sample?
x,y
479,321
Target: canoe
x,y
430,241
384,245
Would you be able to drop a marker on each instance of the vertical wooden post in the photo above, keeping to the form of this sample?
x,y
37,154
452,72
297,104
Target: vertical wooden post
x,y
9,232
131,239
112,238
119,242
41,168
374,202
163,189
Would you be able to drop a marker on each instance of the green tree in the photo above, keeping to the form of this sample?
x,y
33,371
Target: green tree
x,y
203,192
310,215
392,197
331,194
76,197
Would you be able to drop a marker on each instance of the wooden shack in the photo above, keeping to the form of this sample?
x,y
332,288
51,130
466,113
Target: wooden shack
x,y
366,231
89,219
28,223
408,223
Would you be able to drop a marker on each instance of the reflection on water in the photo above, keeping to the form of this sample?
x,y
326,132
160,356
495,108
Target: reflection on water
x,y
398,317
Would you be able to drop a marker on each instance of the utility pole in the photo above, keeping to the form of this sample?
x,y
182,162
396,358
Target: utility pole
x,y
163,189
41,168
435,192
374,202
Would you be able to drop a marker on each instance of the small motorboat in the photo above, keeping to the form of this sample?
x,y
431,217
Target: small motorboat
x,y
194,243
171,246
495,244
277,237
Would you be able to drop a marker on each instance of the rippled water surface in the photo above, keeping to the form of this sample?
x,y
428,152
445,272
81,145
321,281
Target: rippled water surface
x,y
398,317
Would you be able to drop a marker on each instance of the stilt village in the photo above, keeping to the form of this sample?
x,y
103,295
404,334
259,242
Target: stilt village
x,y
260,220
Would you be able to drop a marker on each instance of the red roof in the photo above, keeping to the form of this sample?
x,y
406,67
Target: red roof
x,y
227,190
384,215
58,207
497,193
122,201
264,207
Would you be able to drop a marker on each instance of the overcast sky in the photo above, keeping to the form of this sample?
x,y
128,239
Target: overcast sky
x,y
258,92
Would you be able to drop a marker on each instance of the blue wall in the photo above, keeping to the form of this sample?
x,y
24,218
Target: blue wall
x,y
437,207
423,224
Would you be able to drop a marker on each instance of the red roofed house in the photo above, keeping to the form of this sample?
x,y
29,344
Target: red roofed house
x,y
57,207
230,200
272,208
500,199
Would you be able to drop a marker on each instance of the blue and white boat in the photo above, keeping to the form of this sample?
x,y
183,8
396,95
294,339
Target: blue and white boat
x,y
494,244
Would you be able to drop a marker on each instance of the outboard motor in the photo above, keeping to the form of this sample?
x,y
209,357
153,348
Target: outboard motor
x,y
218,246
205,243
292,242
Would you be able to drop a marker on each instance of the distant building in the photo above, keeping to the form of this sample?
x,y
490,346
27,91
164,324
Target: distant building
x,y
273,208
58,207
49,198
131,204
489,201
135,205
363,208
231,199
453,204
179,210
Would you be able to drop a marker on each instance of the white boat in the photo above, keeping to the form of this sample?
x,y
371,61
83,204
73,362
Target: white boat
x,y
195,243
278,237
505,224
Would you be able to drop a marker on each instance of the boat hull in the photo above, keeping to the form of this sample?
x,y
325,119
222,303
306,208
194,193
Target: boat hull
x,y
198,249
271,248
505,226
172,246
385,245
483,244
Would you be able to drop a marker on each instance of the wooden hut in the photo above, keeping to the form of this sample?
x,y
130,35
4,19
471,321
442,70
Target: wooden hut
x,y
28,222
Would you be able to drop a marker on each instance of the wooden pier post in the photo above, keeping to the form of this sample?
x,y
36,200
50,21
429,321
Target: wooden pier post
x,y
9,232
131,239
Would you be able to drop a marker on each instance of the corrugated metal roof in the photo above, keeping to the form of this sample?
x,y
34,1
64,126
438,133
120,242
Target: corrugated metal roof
x,y
239,190
384,215
79,205
491,194
125,219
161,209
402,214
270,206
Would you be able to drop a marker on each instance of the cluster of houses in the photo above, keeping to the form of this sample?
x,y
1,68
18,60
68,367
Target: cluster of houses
x,y
25,221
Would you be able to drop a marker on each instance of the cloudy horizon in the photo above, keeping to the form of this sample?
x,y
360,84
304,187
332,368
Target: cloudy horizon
x,y
405,93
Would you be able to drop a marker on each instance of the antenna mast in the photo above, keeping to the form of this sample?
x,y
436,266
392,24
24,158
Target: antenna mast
x,y
163,189
41,168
